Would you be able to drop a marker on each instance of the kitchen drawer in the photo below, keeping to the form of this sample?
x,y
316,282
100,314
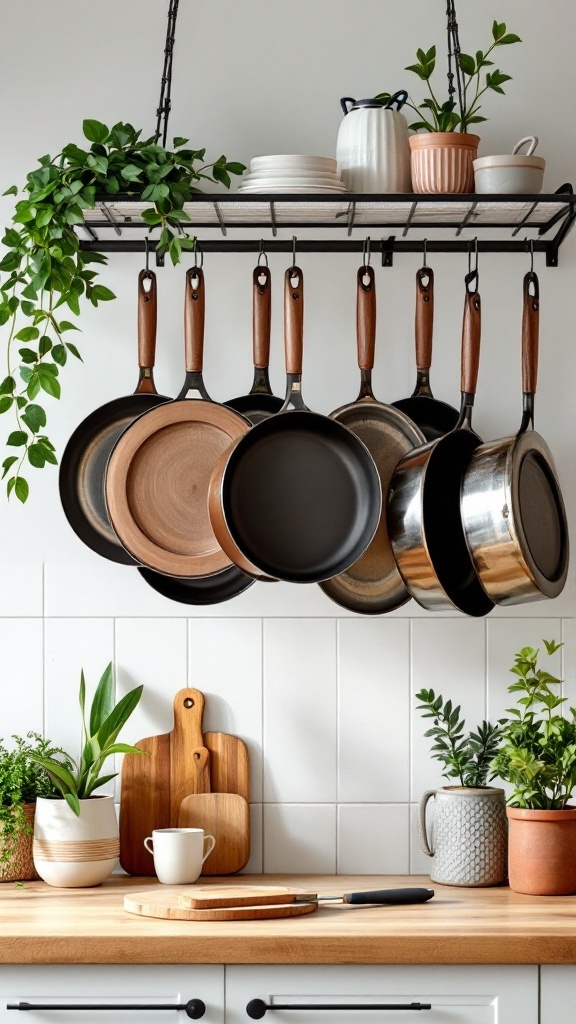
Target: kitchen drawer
x,y
557,994
457,994
111,986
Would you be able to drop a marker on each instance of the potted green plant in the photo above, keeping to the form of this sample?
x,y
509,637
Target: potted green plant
x,y
443,149
76,836
470,833
22,782
538,758
46,276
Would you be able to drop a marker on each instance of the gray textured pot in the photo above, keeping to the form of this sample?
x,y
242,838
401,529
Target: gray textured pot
x,y
470,835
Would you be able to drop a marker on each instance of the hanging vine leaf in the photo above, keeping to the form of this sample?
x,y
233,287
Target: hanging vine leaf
x,y
45,270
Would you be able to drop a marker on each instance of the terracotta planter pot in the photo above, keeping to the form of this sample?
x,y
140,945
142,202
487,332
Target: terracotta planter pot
x,y
442,162
542,851
20,867
71,851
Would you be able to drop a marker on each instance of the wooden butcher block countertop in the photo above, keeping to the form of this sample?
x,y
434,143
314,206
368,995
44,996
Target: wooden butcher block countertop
x,y
40,924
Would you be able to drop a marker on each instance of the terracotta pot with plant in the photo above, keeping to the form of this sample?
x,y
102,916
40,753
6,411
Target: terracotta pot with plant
x,y
469,827
22,782
76,838
443,150
538,758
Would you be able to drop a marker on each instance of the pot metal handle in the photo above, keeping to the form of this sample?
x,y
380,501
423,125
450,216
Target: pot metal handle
x,y
423,835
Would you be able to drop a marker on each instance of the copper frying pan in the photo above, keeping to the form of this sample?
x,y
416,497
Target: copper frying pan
x,y
159,471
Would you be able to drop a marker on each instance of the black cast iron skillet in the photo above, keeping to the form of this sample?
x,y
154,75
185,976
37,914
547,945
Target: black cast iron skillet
x,y
200,590
298,498
83,465
434,417
260,402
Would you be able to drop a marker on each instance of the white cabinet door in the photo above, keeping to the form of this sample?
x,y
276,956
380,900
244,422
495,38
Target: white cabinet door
x,y
440,994
557,994
104,991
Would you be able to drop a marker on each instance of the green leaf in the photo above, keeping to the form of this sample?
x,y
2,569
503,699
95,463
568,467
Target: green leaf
x,y
59,354
507,39
12,191
10,485
5,403
17,438
8,463
27,334
21,489
45,345
498,30
131,172
11,238
119,716
102,294
73,803
95,131
468,64
34,418
36,456
7,386
178,141
101,781
65,325
235,168
49,384
103,701
27,355
72,348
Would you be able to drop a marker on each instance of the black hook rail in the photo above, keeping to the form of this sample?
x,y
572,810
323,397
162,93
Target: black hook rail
x,y
256,1008
194,1008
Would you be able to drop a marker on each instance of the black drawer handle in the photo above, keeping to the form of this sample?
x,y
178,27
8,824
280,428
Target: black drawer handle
x,y
256,1008
194,1008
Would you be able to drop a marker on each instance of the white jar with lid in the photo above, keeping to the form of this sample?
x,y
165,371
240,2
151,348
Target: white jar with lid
x,y
372,150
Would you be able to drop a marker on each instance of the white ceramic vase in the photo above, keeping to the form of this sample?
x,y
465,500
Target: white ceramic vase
x,y
372,150
71,851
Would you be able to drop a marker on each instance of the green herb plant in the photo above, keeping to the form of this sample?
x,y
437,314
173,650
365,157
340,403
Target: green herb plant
x,y
21,782
465,756
45,275
77,781
538,754
448,115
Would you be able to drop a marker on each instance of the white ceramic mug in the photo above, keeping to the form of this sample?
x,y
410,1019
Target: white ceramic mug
x,y
179,853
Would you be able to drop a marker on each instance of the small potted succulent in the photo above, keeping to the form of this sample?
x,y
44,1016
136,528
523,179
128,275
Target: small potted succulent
x,y
76,836
443,148
470,833
538,758
22,782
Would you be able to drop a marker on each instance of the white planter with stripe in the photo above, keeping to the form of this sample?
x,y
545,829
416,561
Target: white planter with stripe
x,y
71,851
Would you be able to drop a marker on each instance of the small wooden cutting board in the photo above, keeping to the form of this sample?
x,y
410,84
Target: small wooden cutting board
x,y
166,904
225,816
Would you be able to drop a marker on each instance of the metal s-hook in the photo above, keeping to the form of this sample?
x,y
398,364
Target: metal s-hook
x,y
425,253
472,277
294,240
529,244
197,250
262,253
366,252
147,251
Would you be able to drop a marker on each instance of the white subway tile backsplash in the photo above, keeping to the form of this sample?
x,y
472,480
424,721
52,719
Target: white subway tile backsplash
x,y
373,839
300,710
300,837
419,862
373,710
152,652
21,677
448,656
225,662
504,639
22,594
254,865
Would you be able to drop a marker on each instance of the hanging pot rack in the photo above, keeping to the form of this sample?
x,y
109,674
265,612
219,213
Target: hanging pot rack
x,y
404,213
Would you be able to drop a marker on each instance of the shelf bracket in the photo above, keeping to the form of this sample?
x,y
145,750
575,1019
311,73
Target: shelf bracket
x,y
223,228
388,247
273,220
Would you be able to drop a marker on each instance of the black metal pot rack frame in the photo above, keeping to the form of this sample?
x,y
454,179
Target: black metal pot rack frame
x,y
349,214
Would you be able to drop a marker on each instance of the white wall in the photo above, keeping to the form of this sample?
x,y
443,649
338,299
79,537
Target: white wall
x,y
323,697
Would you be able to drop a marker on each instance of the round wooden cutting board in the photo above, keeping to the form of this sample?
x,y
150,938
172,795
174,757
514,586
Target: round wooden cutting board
x,y
164,903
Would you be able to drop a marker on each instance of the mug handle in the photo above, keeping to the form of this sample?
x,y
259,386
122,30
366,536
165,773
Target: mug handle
x,y
211,848
149,839
533,142
424,844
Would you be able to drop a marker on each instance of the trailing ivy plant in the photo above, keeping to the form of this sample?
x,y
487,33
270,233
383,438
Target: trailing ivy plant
x,y
538,755
465,756
45,275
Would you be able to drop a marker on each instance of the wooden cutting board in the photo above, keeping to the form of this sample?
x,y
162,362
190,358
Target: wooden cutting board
x,y
226,816
175,764
210,897
165,903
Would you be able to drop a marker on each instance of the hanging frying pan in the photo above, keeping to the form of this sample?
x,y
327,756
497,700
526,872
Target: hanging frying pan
x,y
159,471
260,402
83,465
373,584
424,520
434,417
298,498
201,590
512,505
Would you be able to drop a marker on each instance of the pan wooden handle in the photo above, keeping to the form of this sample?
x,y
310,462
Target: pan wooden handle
x,y
293,319
424,317
147,318
194,320
366,317
530,333
262,315
471,330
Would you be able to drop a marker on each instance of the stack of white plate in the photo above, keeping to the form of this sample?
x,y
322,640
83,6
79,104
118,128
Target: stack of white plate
x,y
292,173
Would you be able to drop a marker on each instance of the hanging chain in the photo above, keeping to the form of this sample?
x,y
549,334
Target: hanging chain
x,y
163,111
454,52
